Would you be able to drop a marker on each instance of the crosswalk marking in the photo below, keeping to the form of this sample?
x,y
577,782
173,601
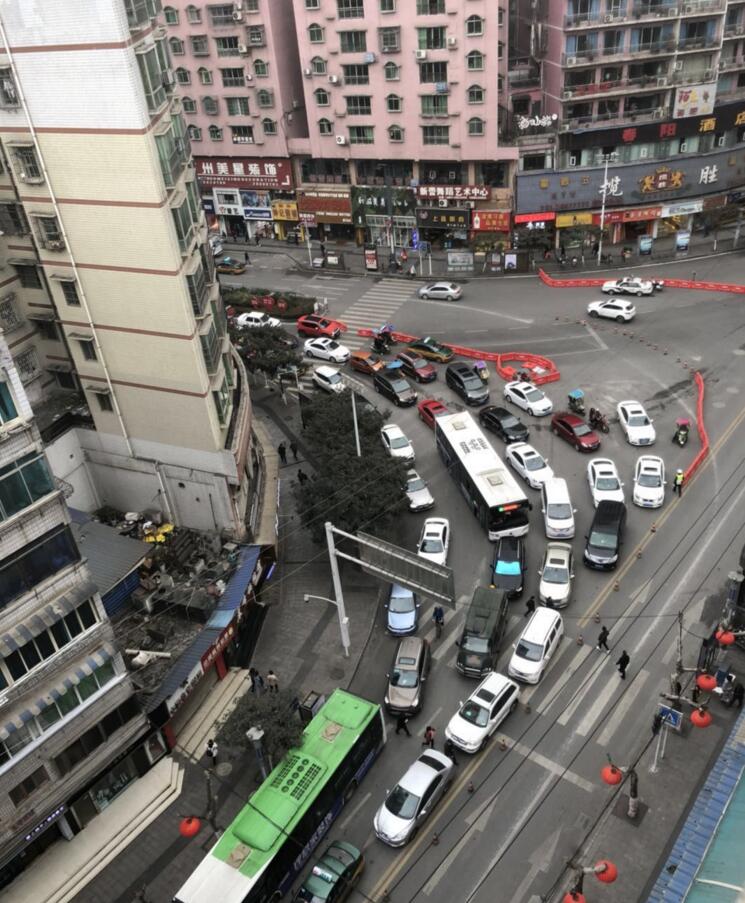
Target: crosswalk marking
x,y
581,654
595,710
579,697
619,712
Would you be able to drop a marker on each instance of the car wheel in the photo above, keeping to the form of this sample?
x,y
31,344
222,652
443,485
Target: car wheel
x,y
530,411
577,446
638,294
425,297
594,313
513,706
483,743
377,389
619,319
554,431
350,791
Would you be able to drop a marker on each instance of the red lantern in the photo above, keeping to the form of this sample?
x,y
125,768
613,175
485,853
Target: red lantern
x,y
605,871
189,826
706,682
701,718
611,775
268,302
724,637
281,304
574,898
255,302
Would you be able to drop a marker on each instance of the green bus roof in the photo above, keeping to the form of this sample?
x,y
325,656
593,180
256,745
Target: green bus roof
x,y
276,807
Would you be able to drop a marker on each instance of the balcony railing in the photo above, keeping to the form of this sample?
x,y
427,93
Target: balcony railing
x,y
198,291
698,7
731,63
697,43
614,118
579,20
641,82
654,11
734,31
211,349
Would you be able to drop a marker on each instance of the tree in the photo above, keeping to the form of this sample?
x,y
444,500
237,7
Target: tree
x,y
267,349
364,493
274,713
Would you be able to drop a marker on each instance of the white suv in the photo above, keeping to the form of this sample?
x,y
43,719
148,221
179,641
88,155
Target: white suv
x,y
482,713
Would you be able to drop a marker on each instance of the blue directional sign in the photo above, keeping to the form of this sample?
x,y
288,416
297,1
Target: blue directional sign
x,y
671,718
415,238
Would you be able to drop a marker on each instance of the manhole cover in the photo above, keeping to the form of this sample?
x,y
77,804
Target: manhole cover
x,y
223,769
336,673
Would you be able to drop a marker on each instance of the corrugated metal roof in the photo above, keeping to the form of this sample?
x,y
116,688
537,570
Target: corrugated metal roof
x,y
111,556
706,863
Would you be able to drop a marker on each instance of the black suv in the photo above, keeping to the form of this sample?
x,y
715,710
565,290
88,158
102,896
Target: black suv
x,y
395,388
604,540
503,423
464,381
483,632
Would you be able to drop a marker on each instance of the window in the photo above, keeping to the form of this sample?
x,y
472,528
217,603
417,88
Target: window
x,y
205,76
269,126
233,78
47,329
222,14
190,105
10,319
353,41
261,68
322,97
312,4
475,94
395,133
430,73
237,106
325,127
27,786
8,93
24,482
265,98
256,36
350,9
197,284
170,15
392,71
27,164
361,134
194,15
88,349
200,45
13,220
474,26
432,38
389,40
215,133
434,105
151,74
27,365
89,742
222,401
252,6
475,127
359,106
356,74
65,380
315,34
227,46
430,7
194,133
387,6
475,61
436,134
394,103
211,106
104,401
25,569
183,76
8,410
242,134
318,66
177,46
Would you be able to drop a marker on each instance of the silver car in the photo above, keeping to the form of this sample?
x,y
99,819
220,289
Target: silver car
x,y
419,496
413,798
448,291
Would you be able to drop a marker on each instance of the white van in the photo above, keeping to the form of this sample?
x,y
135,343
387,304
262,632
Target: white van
x,y
558,514
538,642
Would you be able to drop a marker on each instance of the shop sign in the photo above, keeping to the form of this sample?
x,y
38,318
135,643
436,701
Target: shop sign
x,y
695,100
443,217
736,197
284,210
229,210
565,220
208,205
386,201
682,209
264,213
611,216
713,203
664,178
45,823
308,218
454,192
460,261
536,122
641,214
243,172
682,240
326,204
490,221
371,258
534,218
208,659
177,699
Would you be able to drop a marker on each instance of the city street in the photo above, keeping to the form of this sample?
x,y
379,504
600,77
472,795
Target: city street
x,y
531,803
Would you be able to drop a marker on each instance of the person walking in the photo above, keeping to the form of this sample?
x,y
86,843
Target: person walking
x,y
623,663
738,694
402,724
529,606
246,258
603,640
429,737
678,481
294,449
438,616
211,752
257,681
272,681
282,452
257,239
302,476
449,750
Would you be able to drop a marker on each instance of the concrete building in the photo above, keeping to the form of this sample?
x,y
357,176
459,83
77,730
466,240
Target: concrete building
x,y
68,705
108,284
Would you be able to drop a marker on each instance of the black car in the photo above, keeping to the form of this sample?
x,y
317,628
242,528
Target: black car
x,y
464,381
483,633
604,540
503,423
508,568
395,388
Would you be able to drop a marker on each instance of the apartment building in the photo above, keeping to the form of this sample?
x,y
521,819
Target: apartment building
x,y
68,705
108,285
654,89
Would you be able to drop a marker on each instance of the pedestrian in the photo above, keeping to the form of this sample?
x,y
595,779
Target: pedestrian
x,y
530,606
293,449
257,681
282,452
738,694
257,239
272,681
246,258
563,250
449,750
302,476
623,663
211,752
402,724
438,616
693,276
323,249
603,640
678,482
429,737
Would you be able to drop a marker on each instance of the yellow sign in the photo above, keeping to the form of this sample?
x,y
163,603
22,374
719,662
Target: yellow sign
x,y
286,210
565,220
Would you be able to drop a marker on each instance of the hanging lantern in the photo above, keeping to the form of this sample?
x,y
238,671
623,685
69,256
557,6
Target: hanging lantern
x,y
611,775
606,871
706,682
701,718
574,898
724,637
189,826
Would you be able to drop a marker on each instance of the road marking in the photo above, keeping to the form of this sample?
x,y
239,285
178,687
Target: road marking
x,y
354,811
593,333
530,689
619,712
596,709
445,646
549,765
476,822
578,351
488,313
553,694
578,699
540,861
671,652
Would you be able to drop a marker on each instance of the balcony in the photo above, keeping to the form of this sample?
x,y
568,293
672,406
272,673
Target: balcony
x,y
239,428
198,291
701,7
141,12
697,43
732,64
211,349
620,86
523,74
734,31
581,20
604,119
663,47
654,11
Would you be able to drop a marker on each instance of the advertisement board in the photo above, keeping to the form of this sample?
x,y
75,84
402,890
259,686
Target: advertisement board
x,y
695,100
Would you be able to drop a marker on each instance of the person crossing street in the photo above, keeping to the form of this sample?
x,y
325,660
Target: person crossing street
x,y
603,640
623,663
678,482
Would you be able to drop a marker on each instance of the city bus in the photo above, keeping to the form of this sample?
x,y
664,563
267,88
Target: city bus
x,y
492,492
270,840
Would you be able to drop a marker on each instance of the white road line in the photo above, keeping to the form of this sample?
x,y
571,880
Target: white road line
x,y
596,709
488,313
445,646
577,701
573,353
619,712
354,811
579,657
593,333
670,652
549,765
527,693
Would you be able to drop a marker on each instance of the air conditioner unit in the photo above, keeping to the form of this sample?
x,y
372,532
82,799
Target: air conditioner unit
x,y
442,202
308,71
572,161
721,140
340,139
58,245
658,114
238,5
168,78
333,79
452,41
661,81
678,66
470,204
607,19
683,149
689,8
369,58
571,61
723,63
237,15
566,95
249,77
242,49
421,54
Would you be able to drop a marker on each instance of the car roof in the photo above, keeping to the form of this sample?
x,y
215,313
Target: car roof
x,y
421,773
573,419
493,683
497,411
558,553
540,623
410,647
608,511
510,542
519,384
436,522
601,462
391,428
327,371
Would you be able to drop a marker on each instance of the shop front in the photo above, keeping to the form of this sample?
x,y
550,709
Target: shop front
x,y
490,229
535,231
444,227
286,218
384,217
326,212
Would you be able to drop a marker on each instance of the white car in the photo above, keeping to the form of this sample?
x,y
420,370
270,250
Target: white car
x,y
482,713
448,291
531,466
396,443
255,319
605,484
529,398
620,311
435,540
327,349
629,285
329,379
635,422
556,573
649,482
417,492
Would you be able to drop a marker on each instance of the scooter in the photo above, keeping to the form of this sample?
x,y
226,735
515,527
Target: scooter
x,y
682,431
598,421
481,370
386,333
576,400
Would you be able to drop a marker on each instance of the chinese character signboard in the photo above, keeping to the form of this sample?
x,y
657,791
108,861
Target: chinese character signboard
x,y
460,261
243,172
381,202
490,221
454,192
284,210
695,100
443,218
565,220
324,205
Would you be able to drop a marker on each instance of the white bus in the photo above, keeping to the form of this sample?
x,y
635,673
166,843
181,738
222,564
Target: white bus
x,y
492,492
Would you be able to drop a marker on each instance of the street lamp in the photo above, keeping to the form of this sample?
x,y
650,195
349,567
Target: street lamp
x,y
343,619
605,189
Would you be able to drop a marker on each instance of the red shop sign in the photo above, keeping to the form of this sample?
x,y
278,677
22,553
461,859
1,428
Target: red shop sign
x,y
243,172
534,218
490,220
641,213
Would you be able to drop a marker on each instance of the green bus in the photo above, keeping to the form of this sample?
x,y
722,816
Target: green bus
x,y
270,840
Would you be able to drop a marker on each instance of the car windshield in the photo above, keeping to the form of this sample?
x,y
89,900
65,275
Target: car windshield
x,y
404,679
415,484
607,484
532,652
652,480
553,574
472,382
402,803
535,462
399,442
602,540
638,420
475,714
401,604
509,568
582,430
559,512
510,422
472,643
307,896
431,545
419,364
399,385
534,395
330,345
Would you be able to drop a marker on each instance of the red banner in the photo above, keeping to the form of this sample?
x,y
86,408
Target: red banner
x,y
534,218
243,172
490,221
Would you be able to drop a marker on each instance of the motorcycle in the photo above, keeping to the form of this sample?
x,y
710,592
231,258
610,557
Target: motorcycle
x,y
481,370
658,284
682,431
386,333
380,345
598,421
576,400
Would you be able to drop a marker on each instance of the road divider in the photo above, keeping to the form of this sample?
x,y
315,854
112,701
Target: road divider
x,y
700,426
694,284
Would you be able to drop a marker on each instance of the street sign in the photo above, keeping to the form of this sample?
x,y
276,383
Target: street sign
x,y
671,718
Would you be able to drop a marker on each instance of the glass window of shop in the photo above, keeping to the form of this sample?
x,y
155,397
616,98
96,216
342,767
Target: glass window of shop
x,y
390,172
323,170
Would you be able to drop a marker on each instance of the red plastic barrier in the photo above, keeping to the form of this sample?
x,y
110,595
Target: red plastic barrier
x,y
703,435
669,283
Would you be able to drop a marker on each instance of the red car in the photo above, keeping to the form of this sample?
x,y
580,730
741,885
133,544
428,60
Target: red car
x,y
429,409
313,325
576,432
416,367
